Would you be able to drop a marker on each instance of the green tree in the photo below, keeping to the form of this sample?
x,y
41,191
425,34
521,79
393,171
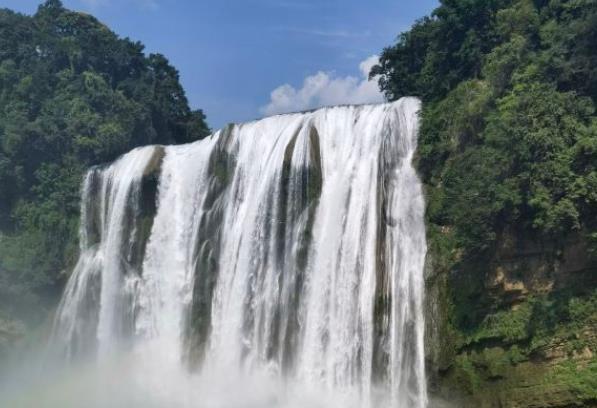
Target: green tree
x,y
508,134
72,94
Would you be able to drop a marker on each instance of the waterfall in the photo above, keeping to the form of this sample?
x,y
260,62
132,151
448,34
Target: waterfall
x,y
281,260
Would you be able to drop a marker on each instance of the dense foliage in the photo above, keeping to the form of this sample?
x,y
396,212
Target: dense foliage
x,y
508,154
72,94
509,133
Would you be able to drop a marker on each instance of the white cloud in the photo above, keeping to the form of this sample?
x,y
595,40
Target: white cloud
x,y
366,65
324,89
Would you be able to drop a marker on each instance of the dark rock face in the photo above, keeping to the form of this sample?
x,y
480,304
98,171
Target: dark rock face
x,y
148,196
516,329
222,163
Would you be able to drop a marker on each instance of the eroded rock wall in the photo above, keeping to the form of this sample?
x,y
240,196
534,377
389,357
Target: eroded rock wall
x,y
517,328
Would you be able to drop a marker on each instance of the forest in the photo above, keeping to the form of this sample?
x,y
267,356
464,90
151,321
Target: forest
x,y
509,135
72,95
508,154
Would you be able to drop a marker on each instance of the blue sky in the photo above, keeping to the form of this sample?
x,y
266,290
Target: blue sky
x,y
243,59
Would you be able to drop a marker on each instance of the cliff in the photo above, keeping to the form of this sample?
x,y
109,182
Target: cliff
x,y
508,154
515,329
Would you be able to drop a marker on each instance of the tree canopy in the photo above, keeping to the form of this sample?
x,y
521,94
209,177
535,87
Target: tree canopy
x,y
72,94
509,132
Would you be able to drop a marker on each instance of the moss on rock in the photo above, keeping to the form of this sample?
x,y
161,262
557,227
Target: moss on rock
x,y
489,347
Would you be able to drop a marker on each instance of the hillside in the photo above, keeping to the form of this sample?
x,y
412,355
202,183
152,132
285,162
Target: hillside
x,y
508,153
72,95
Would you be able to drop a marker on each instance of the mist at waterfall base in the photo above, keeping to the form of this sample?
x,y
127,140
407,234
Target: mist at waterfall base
x,y
277,263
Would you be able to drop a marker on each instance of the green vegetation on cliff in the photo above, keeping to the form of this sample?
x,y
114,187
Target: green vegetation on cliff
x,y
508,153
72,94
509,131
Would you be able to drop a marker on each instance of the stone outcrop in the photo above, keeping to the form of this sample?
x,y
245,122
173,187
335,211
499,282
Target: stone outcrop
x,y
515,329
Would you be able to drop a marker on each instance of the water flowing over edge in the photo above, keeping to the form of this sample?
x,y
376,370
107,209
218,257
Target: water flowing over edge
x,y
287,251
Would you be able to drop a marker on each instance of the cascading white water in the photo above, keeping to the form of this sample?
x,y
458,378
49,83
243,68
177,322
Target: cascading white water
x,y
285,253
